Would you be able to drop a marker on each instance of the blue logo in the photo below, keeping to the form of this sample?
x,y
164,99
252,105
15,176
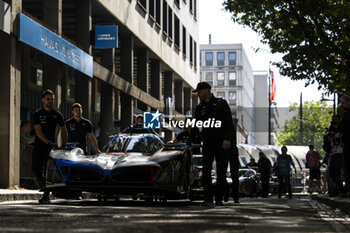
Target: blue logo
x,y
151,120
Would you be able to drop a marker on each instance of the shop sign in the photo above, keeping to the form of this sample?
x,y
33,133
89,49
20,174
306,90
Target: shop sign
x,y
106,37
39,37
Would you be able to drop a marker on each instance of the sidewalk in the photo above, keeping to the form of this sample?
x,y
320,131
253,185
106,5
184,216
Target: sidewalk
x,y
26,194
19,194
341,203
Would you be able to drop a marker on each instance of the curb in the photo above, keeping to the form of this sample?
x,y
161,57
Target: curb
x,y
35,196
342,204
20,197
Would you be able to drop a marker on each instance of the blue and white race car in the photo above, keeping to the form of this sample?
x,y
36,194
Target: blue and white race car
x,y
134,164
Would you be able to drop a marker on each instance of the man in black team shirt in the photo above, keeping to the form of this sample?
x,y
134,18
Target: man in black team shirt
x,y
78,127
217,141
45,121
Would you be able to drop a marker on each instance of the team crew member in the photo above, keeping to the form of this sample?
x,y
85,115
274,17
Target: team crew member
x,y
45,121
216,141
78,127
234,167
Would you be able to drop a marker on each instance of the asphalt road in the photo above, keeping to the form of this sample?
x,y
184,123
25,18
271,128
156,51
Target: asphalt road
x,y
300,214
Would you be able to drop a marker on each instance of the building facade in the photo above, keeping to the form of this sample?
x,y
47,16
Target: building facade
x,y
262,112
227,69
156,59
261,107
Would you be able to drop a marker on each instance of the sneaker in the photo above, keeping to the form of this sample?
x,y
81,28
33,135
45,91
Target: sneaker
x,y
207,203
45,200
219,203
226,198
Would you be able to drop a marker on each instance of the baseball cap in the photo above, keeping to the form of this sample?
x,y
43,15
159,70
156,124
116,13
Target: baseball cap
x,y
201,86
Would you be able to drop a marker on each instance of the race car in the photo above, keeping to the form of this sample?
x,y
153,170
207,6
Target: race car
x,y
138,165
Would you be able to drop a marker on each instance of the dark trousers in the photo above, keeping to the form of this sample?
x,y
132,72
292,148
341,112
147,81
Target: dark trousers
x,y
346,166
40,157
265,179
334,169
211,151
234,167
284,180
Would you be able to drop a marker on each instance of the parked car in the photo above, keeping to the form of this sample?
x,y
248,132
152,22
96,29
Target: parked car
x,y
248,182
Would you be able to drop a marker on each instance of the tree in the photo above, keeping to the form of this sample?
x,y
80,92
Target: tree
x,y
316,118
312,35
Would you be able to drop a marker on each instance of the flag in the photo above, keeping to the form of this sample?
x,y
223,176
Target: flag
x,y
273,86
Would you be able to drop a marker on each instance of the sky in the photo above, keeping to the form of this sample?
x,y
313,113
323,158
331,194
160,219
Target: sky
x,y
217,22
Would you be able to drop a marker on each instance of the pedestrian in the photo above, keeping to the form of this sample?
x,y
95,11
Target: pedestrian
x,y
335,160
137,127
217,140
313,163
139,121
344,128
252,164
265,170
79,127
284,161
234,167
45,121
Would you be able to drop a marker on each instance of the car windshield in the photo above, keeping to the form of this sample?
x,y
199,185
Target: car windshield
x,y
245,173
143,144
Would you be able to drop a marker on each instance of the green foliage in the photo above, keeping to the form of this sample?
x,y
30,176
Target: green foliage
x,y
316,118
313,35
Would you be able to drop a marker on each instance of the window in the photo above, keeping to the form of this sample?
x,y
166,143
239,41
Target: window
x,y
151,9
39,77
170,23
209,59
143,4
158,10
191,49
195,54
232,78
220,76
200,77
221,94
234,114
184,41
220,58
70,84
97,99
177,3
232,58
70,90
36,76
209,78
195,8
232,97
165,17
177,31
